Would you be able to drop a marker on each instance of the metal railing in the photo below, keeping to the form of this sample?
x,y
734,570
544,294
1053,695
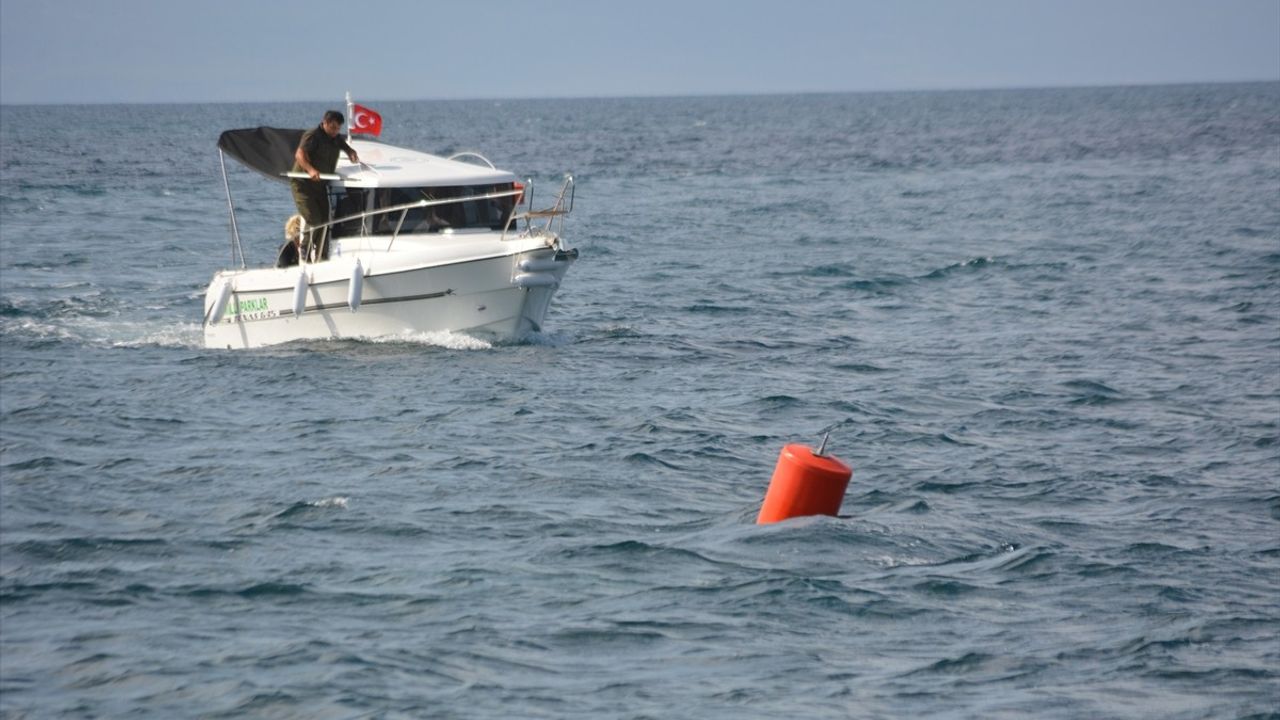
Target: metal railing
x,y
403,209
553,214
468,153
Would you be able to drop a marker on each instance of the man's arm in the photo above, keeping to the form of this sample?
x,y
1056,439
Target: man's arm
x,y
300,156
351,152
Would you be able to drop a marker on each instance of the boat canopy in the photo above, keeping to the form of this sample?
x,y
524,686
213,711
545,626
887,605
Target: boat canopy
x,y
270,151
265,149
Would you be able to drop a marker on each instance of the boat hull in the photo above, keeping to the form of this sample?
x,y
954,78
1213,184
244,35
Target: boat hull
x,y
474,286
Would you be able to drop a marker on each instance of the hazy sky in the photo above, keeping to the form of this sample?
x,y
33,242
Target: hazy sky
x,y
87,51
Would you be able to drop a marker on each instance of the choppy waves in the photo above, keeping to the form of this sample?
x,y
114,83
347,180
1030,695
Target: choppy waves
x,y
1041,326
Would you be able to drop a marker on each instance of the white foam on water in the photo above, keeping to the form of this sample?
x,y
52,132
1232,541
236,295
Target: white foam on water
x,y
440,338
888,561
111,332
182,335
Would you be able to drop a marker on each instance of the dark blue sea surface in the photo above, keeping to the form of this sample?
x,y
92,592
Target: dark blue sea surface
x,y
1043,327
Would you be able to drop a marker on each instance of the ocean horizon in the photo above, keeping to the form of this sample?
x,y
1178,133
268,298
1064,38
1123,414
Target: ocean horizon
x,y
338,101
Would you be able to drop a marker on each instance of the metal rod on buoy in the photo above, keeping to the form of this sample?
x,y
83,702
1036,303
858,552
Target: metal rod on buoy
x,y
805,483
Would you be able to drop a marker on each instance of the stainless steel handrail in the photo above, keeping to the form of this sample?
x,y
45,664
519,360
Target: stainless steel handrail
x,y
557,210
405,208
235,230
468,153
419,204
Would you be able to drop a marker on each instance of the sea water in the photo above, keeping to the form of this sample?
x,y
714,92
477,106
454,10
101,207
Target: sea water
x,y
1042,326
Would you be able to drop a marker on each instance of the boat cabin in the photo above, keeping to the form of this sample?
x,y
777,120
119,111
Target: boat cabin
x,y
377,205
392,190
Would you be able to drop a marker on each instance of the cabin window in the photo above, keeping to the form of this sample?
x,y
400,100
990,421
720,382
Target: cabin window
x,y
347,202
489,214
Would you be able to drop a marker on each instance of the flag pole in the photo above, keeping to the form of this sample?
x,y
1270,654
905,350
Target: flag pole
x,y
350,115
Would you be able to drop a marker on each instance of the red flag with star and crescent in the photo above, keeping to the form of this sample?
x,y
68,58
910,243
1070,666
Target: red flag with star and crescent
x,y
365,121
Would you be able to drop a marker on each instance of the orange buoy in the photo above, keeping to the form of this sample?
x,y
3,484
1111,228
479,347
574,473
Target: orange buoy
x,y
804,483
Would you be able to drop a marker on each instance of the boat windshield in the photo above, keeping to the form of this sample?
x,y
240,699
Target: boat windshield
x,y
489,214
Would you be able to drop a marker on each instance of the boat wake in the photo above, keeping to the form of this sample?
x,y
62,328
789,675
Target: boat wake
x,y
115,332
451,340
106,332
439,338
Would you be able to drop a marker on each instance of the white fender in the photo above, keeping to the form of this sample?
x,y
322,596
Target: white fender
x,y
356,289
300,294
527,280
540,264
219,303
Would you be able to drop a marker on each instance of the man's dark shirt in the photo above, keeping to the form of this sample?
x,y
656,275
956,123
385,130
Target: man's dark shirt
x,y
321,149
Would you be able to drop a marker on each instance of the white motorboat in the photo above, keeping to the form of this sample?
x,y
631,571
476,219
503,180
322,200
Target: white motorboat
x,y
419,244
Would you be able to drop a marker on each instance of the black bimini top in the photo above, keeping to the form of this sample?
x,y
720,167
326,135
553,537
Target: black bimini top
x,y
265,149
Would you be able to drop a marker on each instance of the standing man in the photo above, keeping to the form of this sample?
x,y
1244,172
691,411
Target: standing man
x,y
318,153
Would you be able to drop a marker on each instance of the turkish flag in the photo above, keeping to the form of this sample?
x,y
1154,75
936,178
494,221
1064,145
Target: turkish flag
x,y
365,121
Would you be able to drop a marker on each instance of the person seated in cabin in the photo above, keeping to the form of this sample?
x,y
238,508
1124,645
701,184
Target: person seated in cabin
x,y
317,154
432,220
